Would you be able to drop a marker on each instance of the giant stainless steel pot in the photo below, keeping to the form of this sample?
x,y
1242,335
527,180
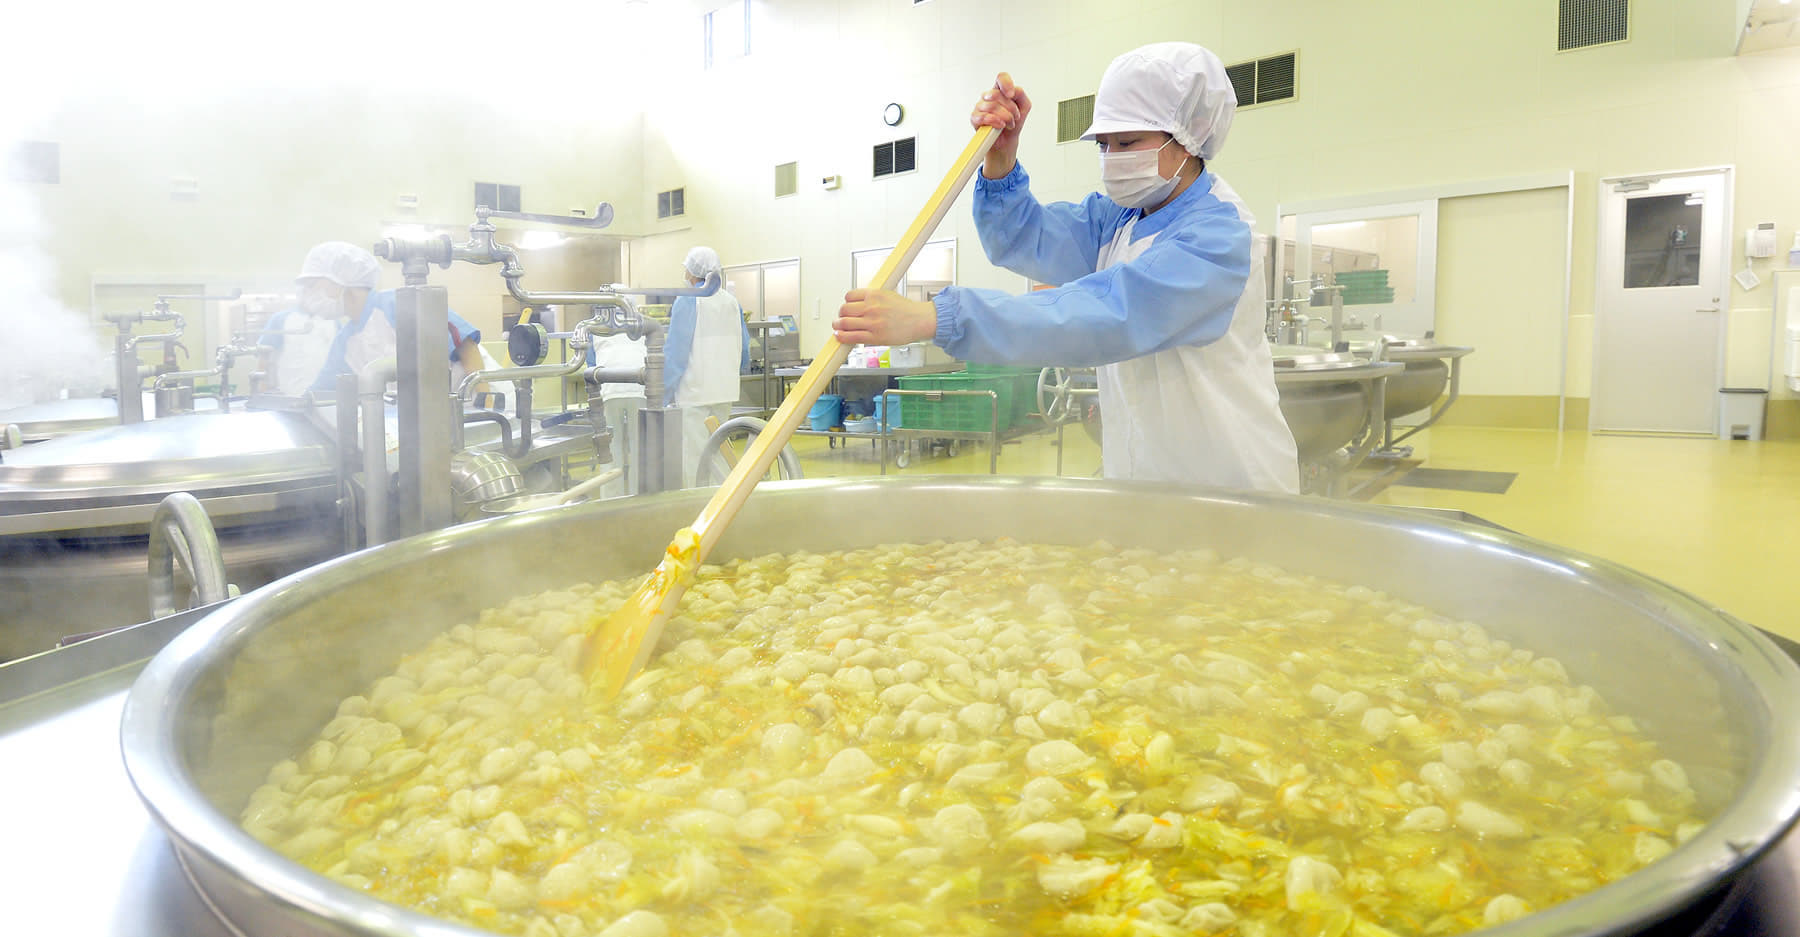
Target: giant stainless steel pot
x,y
254,682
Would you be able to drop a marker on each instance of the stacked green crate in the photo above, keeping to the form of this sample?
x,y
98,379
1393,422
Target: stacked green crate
x,y
1362,287
959,414
1024,388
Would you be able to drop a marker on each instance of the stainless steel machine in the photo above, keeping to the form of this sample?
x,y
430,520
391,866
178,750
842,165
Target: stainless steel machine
x,y
298,480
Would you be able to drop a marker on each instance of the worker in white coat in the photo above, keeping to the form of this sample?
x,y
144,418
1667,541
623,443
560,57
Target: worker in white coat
x,y
703,355
302,337
1155,282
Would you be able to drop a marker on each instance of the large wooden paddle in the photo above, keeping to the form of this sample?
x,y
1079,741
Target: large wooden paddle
x,y
618,647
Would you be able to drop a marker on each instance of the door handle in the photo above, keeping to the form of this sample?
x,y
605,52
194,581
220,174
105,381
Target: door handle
x,y
1708,309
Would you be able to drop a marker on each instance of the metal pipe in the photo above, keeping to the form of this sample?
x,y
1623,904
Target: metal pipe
x,y
180,530
497,418
611,296
600,375
371,387
169,378
345,464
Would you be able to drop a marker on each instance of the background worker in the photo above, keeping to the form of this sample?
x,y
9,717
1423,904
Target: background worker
x,y
302,337
708,346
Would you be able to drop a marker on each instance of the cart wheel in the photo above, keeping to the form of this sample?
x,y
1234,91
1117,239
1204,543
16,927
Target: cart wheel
x,y
951,450
903,458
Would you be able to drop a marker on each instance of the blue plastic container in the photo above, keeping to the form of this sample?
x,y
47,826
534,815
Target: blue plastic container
x,y
826,412
892,405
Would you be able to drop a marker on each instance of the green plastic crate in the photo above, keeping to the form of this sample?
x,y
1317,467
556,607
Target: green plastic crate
x,y
959,414
1024,382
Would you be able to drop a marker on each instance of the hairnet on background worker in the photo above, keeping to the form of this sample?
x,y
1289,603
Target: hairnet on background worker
x,y
302,337
707,348
1155,281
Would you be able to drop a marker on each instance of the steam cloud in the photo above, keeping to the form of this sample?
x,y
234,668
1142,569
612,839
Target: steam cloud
x,y
47,351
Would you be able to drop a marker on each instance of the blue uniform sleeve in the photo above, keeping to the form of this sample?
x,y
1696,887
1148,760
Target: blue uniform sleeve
x,y
683,316
1183,290
744,359
1053,243
272,330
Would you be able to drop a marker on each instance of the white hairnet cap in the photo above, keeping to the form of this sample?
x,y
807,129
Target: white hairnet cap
x,y
1176,87
702,261
342,263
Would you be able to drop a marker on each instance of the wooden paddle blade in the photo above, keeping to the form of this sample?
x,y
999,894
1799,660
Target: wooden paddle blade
x,y
622,643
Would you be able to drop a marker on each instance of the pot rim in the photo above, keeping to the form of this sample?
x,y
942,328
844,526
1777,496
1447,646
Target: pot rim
x,y
1764,807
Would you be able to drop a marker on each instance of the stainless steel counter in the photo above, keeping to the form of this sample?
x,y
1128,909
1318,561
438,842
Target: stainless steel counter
x,y
82,858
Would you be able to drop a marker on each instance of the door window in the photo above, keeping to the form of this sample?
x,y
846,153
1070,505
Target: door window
x,y
1662,240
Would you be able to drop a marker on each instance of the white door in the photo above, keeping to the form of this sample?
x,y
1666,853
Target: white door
x,y
1659,324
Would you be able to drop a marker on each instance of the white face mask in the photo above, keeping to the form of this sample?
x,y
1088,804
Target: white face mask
x,y
322,302
1131,178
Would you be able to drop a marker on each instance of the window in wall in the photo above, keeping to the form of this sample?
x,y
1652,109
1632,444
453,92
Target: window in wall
x,y
38,161
727,31
787,179
932,269
497,197
671,203
1382,258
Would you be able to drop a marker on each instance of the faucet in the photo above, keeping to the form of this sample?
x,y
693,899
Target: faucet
x,y
1337,315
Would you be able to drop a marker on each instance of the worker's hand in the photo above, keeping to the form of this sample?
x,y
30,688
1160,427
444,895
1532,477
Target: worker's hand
x,y
884,317
1003,107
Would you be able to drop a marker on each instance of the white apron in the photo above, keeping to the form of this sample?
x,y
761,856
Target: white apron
x,y
376,340
712,369
709,386
302,355
1200,414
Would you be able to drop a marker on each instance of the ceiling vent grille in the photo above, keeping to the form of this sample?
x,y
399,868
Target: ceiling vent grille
x,y
672,203
1583,23
896,157
1264,81
787,179
1073,118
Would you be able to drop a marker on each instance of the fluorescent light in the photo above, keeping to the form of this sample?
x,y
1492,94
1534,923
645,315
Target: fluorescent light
x,y
1338,226
538,240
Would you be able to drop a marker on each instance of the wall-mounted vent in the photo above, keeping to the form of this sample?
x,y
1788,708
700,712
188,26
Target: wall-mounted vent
x,y
1264,81
1073,117
896,157
1583,23
497,197
787,179
671,203
35,161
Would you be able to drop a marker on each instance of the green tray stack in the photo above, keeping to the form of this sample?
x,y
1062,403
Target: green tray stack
x,y
1362,287
968,414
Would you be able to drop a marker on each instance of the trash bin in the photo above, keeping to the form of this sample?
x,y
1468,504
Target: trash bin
x,y
1741,412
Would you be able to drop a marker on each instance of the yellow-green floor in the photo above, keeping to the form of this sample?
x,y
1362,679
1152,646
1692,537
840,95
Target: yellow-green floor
x,y
1719,519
